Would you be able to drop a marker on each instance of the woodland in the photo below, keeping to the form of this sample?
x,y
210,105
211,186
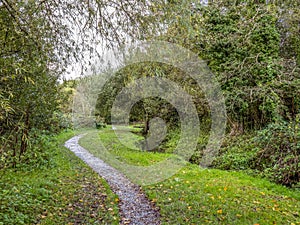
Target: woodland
x,y
251,46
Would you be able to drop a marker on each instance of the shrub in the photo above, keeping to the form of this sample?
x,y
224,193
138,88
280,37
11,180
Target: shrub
x,y
236,153
40,152
198,154
60,121
279,155
100,122
37,154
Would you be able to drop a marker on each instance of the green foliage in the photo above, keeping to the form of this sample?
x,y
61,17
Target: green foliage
x,y
198,154
170,142
251,47
279,155
29,92
148,108
243,54
37,155
99,122
237,153
60,121
107,96
245,45
272,153
37,44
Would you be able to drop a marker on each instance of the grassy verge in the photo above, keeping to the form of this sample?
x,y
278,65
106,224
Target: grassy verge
x,y
68,192
201,196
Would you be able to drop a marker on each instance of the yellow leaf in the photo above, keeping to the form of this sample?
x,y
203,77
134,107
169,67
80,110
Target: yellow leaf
x,y
225,188
220,211
29,79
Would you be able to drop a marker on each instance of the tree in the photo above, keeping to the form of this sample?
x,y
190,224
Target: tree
x,y
38,40
242,44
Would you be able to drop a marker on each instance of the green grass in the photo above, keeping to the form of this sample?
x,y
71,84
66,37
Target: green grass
x,y
198,196
202,196
118,150
68,192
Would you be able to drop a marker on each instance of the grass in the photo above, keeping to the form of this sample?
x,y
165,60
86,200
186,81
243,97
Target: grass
x,y
118,150
195,196
68,192
202,196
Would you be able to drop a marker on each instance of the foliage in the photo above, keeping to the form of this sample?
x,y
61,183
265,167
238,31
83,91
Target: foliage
x,y
28,85
148,108
272,152
100,122
237,153
38,154
60,121
253,49
245,46
39,39
198,154
278,158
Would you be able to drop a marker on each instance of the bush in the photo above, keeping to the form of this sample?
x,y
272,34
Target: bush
x,y
198,154
273,152
60,121
38,153
100,122
237,153
279,155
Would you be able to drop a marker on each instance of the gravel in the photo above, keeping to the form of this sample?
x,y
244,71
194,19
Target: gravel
x,y
134,206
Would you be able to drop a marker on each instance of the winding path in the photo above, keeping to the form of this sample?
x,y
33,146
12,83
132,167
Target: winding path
x,y
135,208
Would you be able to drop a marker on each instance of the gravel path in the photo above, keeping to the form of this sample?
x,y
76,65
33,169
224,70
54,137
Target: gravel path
x,y
135,208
